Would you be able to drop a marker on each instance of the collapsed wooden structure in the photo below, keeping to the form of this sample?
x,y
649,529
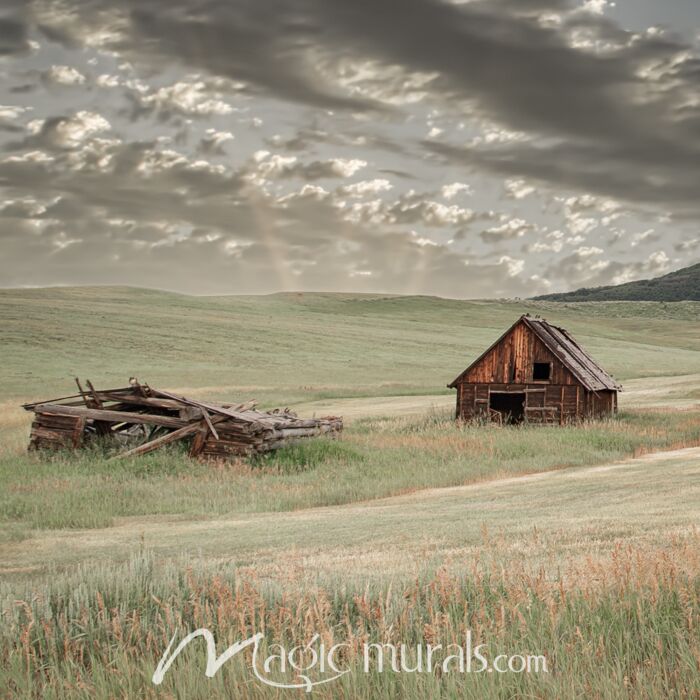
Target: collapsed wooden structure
x,y
140,419
535,373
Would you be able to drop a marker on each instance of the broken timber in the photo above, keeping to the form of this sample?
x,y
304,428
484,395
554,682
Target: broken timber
x,y
137,416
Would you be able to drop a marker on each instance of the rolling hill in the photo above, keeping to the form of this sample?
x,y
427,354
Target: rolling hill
x,y
681,285
300,347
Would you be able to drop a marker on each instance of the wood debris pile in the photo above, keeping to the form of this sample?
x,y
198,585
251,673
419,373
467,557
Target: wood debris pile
x,y
140,419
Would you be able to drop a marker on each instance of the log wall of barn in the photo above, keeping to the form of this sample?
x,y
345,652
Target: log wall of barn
x,y
552,403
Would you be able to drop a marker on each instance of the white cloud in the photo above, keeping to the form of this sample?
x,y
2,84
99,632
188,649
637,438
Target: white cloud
x,y
109,81
11,112
597,7
641,237
579,224
543,247
188,98
213,140
30,157
512,228
65,75
411,208
346,168
154,161
72,131
306,192
422,241
586,252
272,165
518,189
365,187
452,190
514,266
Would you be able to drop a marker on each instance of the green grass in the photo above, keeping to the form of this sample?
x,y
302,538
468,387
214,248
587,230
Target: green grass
x,y
296,347
373,459
545,519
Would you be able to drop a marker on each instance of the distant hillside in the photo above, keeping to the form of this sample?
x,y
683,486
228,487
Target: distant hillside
x,y
681,285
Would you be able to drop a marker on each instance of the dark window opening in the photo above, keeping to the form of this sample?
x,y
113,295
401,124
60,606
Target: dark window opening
x,y
512,373
542,371
511,406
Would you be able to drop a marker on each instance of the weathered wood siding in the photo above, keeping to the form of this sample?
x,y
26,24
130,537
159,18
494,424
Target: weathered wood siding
x,y
508,368
521,347
555,403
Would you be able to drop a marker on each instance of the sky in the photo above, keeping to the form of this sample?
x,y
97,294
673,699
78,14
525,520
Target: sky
x,y
466,149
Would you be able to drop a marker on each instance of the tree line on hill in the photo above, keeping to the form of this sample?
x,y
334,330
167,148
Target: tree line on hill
x,y
681,285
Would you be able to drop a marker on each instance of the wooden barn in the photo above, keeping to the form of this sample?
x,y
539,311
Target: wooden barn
x,y
535,373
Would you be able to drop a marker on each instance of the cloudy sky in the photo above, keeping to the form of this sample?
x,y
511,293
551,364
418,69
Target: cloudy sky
x,y
478,148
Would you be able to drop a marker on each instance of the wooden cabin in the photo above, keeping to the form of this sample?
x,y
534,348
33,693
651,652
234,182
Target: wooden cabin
x,y
535,373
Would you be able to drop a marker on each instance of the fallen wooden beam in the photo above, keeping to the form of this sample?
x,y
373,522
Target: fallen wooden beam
x,y
159,442
140,400
30,406
207,418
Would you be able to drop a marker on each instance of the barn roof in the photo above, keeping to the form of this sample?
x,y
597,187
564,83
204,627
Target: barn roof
x,y
563,346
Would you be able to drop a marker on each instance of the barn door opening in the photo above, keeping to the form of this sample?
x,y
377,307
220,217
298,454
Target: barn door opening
x,y
511,406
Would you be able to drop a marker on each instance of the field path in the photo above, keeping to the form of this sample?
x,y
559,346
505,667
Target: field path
x,y
586,507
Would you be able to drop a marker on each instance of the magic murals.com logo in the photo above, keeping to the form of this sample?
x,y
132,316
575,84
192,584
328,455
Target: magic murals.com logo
x,y
314,663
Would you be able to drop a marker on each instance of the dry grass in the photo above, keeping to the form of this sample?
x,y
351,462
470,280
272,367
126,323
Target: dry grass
x,y
622,625
375,458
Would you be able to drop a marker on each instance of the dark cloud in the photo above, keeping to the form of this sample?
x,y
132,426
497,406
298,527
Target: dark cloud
x,y
13,37
14,28
498,55
653,173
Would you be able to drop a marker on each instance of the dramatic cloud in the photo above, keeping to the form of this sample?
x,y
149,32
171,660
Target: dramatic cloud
x,y
489,147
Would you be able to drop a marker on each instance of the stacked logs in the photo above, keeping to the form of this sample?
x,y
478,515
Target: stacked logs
x,y
265,435
144,419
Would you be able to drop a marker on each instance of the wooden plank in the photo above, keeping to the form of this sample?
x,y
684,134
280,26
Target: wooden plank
x,y
578,410
84,396
198,442
207,418
561,412
159,442
140,400
95,398
30,406
78,432
60,422
241,416
110,416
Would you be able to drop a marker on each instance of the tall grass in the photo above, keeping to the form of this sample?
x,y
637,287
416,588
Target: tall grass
x,y
374,458
625,625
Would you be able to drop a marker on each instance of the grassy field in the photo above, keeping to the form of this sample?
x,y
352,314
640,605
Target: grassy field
x,y
597,569
408,528
294,347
